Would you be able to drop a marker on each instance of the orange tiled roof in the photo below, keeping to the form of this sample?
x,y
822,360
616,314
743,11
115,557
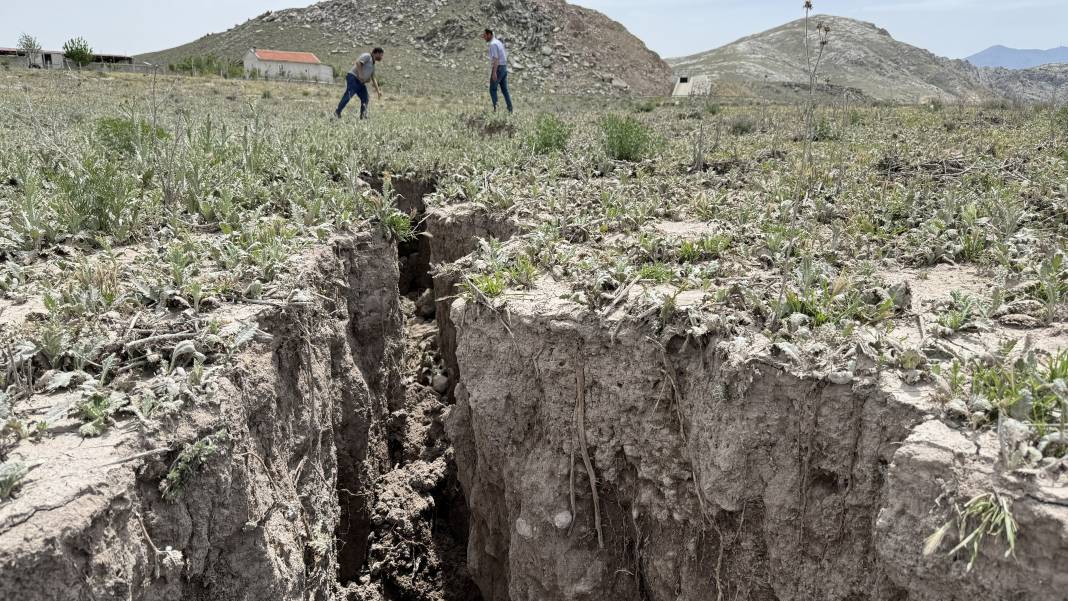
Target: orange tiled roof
x,y
287,57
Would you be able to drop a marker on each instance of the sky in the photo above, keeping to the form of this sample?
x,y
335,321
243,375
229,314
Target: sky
x,y
954,28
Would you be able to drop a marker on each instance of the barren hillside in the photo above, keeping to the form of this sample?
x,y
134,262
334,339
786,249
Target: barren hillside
x,y
434,44
860,55
865,57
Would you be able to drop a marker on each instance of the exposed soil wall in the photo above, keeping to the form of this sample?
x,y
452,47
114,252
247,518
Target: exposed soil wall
x,y
720,472
937,465
258,518
453,234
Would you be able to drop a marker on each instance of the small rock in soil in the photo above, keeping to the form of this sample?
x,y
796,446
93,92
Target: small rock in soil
x,y
440,383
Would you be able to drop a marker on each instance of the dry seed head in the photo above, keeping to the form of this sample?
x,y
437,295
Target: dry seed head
x,y
808,4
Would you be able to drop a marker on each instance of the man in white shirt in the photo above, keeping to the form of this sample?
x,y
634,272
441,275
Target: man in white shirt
x,y
356,81
498,69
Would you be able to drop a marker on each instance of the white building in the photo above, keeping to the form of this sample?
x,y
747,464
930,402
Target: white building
x,y
55,59
276,64
696,85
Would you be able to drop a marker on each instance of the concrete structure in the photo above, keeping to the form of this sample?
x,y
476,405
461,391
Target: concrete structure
x,y
276,64
693,85
55,59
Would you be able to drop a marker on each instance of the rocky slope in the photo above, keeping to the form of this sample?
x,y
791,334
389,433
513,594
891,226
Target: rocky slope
x,y
862,56
435,45
1037,84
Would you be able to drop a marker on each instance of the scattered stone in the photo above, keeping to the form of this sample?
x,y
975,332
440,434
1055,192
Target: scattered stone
x,y
523,528
440,383
957,409
562,520
840,377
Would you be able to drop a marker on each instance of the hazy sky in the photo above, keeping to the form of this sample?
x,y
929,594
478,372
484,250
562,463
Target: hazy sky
x,y
954,28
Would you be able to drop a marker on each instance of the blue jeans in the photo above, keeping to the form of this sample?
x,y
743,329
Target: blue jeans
x,y
354,87
502,81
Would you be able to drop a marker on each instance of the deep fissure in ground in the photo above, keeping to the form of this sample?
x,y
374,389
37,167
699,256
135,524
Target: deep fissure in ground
x,y
404,535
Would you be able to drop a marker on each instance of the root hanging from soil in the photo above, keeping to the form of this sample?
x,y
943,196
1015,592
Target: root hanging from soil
x,y
580,434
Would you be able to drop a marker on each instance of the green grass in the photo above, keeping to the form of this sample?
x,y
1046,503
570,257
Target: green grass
x,y
985,516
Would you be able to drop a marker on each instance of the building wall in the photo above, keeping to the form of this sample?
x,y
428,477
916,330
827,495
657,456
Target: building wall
x,y
281,70
58,60
700,85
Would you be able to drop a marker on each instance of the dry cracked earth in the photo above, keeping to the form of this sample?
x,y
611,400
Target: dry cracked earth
x,y
249,353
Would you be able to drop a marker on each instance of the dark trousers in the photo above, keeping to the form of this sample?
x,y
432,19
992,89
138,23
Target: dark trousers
x,y
502,81
354,87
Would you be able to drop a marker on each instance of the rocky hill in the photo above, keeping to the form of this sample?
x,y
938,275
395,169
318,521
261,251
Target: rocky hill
x,y
1038,84
860,55
434,45
1015,58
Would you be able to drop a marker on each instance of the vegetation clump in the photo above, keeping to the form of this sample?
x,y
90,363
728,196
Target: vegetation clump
x,y
550,134
190,460
78,51
625,138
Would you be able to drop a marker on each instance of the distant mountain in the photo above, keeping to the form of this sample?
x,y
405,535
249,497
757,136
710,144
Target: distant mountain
x,y
1014,58
862,58
434,45
859,55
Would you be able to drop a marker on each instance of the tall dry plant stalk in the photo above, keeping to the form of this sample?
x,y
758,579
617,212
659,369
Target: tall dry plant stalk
x,y
806,170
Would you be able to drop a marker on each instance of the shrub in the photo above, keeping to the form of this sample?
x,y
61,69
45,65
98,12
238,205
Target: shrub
x,y
78,51
1062,118
550,134
742,125
825,131
97,196
712,108
647,106
123,135
626,138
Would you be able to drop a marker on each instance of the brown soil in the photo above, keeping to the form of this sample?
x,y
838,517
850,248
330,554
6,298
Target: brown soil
x,y
394,441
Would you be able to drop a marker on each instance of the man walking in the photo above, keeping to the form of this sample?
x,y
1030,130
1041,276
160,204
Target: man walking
x,y
498,69
356,82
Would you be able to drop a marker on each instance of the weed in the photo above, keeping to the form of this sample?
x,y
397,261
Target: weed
x,y
1024,389
12,473
550,134
705,249
97,410
657,273
742,125
192,458
625,138
523,272
963,314
646,106
95,287
126,136
1052,285
988,514
491,285
98,196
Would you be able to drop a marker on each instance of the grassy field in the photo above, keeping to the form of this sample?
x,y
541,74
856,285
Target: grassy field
x,y
126,199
